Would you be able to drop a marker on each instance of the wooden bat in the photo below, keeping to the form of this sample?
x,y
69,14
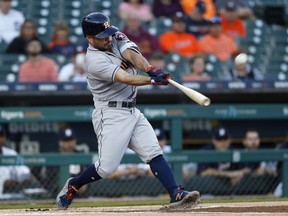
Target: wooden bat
x,y
194,95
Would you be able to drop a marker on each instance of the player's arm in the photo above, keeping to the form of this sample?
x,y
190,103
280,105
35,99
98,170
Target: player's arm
x,y
130,79
139,80
136,58
140,62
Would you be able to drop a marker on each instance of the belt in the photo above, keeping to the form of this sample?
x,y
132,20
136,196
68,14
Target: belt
x,y
122,104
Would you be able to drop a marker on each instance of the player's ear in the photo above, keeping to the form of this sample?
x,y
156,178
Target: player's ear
x,y
89,38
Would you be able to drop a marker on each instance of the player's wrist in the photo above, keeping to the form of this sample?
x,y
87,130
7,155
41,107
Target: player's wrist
x,y
149,68
152,81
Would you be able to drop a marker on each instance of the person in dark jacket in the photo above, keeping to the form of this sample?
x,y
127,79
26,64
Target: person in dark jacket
x,y
28,32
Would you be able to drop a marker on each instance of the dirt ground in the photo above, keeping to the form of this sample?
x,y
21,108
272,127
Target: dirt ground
x,y
227,209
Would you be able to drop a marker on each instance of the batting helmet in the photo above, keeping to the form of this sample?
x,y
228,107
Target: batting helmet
x,y
98,25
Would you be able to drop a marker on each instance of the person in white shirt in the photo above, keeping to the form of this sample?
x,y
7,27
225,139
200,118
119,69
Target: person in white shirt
x,y
10,21
11,176
73,71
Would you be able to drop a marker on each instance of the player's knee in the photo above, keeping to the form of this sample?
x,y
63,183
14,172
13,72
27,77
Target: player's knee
x,y
106,172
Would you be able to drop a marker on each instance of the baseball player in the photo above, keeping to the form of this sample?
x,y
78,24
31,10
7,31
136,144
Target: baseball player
x,y
112,66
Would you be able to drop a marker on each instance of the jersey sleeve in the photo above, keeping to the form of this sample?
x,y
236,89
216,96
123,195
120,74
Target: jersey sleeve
x,y
121,42
101,68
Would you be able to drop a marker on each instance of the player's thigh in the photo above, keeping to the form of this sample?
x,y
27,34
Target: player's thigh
x,y
144,141
113,128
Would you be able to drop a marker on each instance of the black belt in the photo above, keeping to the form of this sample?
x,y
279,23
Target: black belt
x,y
123,104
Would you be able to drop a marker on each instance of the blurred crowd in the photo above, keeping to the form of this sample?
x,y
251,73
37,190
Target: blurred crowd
x,y
197,29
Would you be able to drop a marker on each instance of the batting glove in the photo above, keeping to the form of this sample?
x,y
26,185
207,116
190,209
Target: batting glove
x,y
160,79
153,71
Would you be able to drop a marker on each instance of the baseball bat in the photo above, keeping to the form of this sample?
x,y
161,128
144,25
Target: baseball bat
x,y
193,94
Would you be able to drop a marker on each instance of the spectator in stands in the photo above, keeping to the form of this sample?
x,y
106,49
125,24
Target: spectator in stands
x,y
241,70
244,9
196,24
60,43
166,8
67,141
37,68
13,178
10,21
136,8
188,7
73,71
146,42
197,69
177,40
28,32
232,25
158,60
216,42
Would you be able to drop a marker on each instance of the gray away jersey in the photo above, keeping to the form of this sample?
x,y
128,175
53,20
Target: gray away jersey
x,y
101,68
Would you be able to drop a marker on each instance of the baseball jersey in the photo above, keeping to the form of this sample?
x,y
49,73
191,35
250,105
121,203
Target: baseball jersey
x,y
10,25
101,68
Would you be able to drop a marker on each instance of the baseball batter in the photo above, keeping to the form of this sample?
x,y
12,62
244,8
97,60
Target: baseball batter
x,y
113,63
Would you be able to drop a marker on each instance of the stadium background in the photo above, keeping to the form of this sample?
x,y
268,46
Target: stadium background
x,y
266,43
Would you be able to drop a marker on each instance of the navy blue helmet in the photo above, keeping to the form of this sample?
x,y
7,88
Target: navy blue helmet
x,y
98,25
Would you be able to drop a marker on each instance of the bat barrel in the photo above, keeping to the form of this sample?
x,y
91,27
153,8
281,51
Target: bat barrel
x,y
191,93
206,102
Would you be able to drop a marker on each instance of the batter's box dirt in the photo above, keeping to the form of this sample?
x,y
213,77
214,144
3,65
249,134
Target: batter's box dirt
x,y
279,208
268,209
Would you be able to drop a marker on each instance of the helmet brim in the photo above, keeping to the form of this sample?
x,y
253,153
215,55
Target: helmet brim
x,y
108,32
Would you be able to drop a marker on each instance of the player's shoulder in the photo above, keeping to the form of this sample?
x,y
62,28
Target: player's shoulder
x,y
120,42
120,36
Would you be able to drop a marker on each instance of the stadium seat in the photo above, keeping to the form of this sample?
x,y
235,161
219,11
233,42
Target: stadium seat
x,y
9,66
23,6
215,68
160,25
3,45
176,65
59,59
257,43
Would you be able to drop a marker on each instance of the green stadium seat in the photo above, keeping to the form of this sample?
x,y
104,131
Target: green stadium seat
x,y
9,66
59,59
215,68
3,45
176,65
23,6
160,25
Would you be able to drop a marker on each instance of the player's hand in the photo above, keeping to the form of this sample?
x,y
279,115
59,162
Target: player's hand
x,y
153,71
160,79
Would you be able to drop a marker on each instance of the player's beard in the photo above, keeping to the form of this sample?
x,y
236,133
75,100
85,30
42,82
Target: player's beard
x,y
105,47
